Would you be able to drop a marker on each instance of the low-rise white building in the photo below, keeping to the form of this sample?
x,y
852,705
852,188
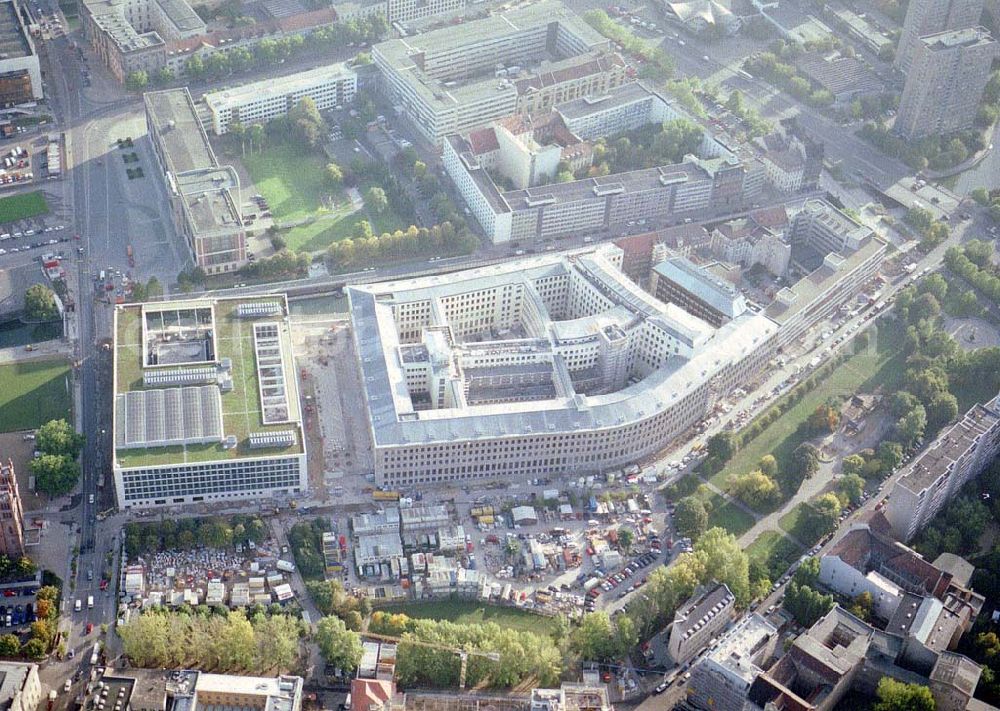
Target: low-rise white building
x,y
329,87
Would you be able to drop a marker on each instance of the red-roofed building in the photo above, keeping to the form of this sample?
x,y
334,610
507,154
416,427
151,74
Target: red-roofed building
x,y
372,694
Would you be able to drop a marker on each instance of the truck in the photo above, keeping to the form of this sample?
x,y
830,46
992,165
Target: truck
x,y
380,495
285,566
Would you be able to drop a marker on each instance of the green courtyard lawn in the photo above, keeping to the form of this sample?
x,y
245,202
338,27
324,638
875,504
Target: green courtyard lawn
x,y
33,393
473,612
775,551
792,523
21,207
724,514
294,183
863,372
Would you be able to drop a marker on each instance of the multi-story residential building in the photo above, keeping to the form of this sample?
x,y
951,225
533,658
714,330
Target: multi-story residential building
x,y
524,368
698,621
525,60
175,365
723,677
785,162
150,35
915,599
825,229
840,276
924,17
956,456
204,196
329,87
945,83
677,280
157,689
20,687
402,11
841,653
745,242
694,188
624,108
20,74
11,513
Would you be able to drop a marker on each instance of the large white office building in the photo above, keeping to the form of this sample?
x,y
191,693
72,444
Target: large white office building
x,y
553,364
958,455
329,87
206,403
524,60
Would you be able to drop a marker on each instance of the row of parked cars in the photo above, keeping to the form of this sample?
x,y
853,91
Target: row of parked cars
x,y
616,579
16,615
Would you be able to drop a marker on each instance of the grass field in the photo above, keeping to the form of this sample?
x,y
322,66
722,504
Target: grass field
x,y
775,551
21,207
863,372
729,516
791,523
294,183
33,393
469,612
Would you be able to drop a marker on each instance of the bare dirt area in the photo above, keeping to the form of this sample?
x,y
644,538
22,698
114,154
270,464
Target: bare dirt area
x,y
21,452
972,333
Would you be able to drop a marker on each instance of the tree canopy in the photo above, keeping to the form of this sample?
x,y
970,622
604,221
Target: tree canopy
x,y
339,646
40,303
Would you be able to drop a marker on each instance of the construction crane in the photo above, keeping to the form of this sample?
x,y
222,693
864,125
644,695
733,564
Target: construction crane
x,y
463,654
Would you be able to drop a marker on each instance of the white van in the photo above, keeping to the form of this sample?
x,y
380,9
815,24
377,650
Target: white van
x,y
78,606
90,602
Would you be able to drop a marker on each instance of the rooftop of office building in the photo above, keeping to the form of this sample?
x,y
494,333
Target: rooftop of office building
x,y
202,380
13,37
175,119
968,38
395,420
276,87
721,295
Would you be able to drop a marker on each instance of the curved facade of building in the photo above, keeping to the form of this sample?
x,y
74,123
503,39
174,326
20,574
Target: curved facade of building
x,y
548,365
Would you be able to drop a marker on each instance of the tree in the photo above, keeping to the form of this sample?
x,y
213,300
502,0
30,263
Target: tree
x,y
40,303
808,572
58,437
756,489
10,645
34,649
981,196
942,409
625,538
823,420
853,464
852,486
910,427
339,646
154,289
768,465
722,446
594,638
307,123
805,604
334,175
804,461
164,75
375,200
137,80
862,606
894,695
690,517
363,230
723,559
55,474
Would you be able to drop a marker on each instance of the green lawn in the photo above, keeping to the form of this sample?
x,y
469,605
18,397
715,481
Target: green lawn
x,y
470,612
20,207
294,183
722,513
862,372
792,522
775,551
33,393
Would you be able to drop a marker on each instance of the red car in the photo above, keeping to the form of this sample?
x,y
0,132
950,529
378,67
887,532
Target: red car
x,y
90,627
104,585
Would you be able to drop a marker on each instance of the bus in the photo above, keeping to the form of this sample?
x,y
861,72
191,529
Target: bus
x,y
380,495
95,655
